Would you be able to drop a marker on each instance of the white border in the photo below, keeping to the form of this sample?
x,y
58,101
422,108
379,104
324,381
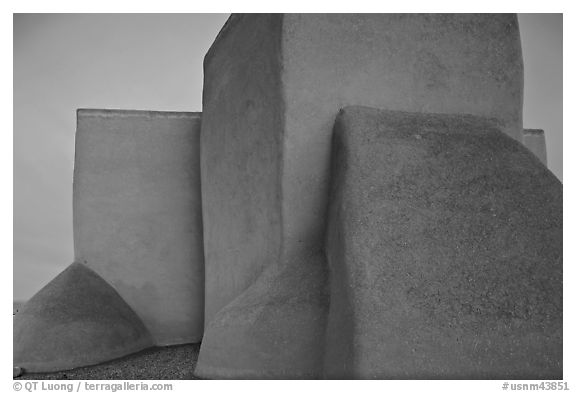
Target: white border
x,y
225,6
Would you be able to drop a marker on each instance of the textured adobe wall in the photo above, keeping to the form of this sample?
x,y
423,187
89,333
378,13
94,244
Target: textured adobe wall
x,y
274,329
273,86
445,251
453,63
76,320
241,156
137,214
535,141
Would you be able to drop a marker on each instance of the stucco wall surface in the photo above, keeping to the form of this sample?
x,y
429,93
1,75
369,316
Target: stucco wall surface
x,y
241,156
137,214
445,251
273,87
440,63
274,329
76,320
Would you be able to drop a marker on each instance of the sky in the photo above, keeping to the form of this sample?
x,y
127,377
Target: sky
x,y
154,61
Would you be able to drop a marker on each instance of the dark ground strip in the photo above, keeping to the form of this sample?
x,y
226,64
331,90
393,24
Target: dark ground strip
x,y
175,362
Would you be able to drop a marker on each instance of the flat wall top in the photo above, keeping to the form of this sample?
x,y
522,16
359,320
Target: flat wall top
x,y
84,112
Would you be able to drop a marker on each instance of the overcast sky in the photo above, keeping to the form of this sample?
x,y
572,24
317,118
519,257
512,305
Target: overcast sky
x,y
154,61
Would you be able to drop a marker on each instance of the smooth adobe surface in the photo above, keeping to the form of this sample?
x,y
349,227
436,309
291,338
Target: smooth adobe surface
x,y
445,63
76,320
137,214
273,87
535,141
274,330
445,250
265,306
241,156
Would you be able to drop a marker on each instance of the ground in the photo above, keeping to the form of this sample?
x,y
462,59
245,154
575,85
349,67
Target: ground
x,y
175,362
